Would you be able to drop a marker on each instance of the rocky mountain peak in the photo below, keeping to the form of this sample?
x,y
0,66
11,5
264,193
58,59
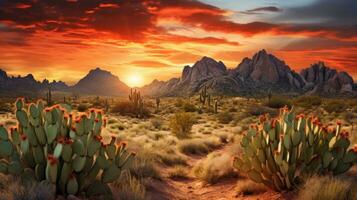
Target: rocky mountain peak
x,y
203,69
101,82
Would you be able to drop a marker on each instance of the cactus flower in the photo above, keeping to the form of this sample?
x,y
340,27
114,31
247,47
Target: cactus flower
x,y
23,137
98,138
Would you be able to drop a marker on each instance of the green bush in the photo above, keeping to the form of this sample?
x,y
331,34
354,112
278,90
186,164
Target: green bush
x,y
225,117
181,124
278,102
307,101
82,107
336,106
188,107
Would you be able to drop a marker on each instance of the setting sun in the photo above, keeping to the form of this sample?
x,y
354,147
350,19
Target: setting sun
x,y
134,80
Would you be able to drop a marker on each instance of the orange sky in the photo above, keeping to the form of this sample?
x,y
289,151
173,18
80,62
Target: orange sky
x,y
144,40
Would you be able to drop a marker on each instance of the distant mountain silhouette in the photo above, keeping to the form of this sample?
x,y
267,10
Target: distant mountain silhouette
x,y
256,75
100,82
27,85
259,74
96,82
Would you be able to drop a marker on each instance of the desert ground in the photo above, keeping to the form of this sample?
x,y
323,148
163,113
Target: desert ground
x,y
185,150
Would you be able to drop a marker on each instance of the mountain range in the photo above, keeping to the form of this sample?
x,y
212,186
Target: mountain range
x,y
262,73
259,74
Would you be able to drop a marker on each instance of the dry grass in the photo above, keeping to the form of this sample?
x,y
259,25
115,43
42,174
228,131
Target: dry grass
x,y
214,168
14,189
128,187
328,188
248,187
178,172
198,146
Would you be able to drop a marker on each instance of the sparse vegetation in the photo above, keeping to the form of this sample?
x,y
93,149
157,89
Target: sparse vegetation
x,y
248,187
225,117
129,187
215,167
186,143
335,106
328,188
307,101
181,124
278,102
178,172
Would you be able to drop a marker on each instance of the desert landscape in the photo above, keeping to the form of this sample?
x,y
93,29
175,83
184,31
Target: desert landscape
x,y
186,142
178,100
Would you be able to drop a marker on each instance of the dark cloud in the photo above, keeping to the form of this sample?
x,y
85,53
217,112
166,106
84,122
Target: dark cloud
x,y
332,12
262,10
313,44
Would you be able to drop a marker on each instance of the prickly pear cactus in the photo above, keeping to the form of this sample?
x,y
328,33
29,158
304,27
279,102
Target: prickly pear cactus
x,y
279,151
62,149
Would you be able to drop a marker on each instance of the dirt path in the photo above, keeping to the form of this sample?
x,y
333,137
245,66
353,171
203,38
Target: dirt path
x,y
194,189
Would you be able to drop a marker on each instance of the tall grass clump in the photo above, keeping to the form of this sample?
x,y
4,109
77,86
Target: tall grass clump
x,y
328,188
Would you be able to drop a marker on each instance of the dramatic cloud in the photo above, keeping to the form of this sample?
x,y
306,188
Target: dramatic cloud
x,y
331,12
76,35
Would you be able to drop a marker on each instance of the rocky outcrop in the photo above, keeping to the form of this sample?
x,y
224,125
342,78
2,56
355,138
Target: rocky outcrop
x,y
267,71
322,80
258,74
101,82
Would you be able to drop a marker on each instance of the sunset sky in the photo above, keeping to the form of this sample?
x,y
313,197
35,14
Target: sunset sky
x,y
142,40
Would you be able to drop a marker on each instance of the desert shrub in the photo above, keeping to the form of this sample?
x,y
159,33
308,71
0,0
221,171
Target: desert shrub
x,y
278,102
336,106
178,172
181,124
224,117
188,107
128,187
328,188
198,146
82,107
261,110
214,168
127,108
248,187
143,166
179,103
307,101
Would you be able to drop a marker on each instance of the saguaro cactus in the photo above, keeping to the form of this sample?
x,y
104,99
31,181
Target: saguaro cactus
x,y
137,102
157,103
49,97
205,97
65,150
278,151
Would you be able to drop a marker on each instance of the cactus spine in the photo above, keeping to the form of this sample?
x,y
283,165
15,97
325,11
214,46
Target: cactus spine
x,y
278,151
62,149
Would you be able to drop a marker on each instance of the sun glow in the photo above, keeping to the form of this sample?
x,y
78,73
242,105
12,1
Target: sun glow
x,y
134,80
